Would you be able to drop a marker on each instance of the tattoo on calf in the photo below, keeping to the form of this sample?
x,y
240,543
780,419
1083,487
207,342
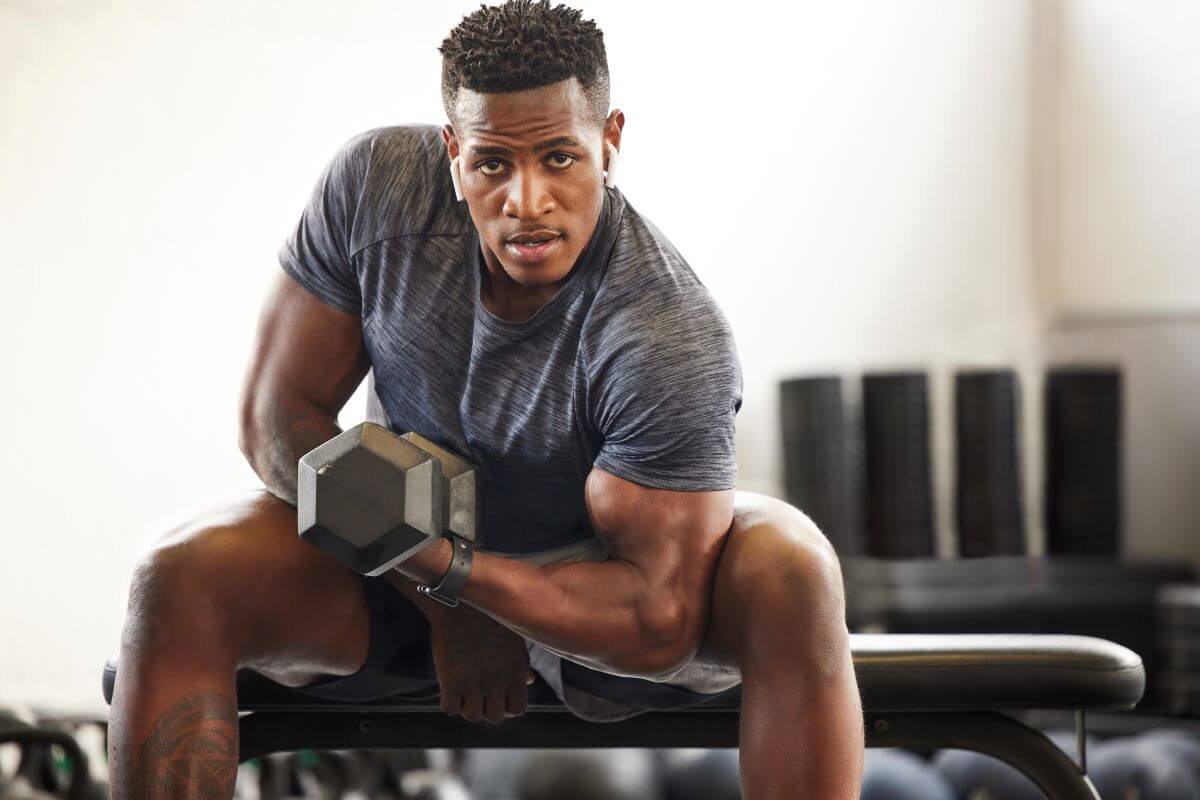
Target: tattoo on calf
x,y
192,750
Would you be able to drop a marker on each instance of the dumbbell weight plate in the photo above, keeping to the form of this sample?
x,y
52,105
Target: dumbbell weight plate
x,y
369,498
460,511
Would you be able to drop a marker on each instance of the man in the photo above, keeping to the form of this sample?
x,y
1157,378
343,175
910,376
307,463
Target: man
x,y
516,309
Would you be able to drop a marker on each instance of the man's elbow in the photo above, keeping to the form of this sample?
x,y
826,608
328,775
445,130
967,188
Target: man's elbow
x,y
248,427
258,425
669,639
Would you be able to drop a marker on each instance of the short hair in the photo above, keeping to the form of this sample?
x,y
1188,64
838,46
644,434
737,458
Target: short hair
x,y
523,44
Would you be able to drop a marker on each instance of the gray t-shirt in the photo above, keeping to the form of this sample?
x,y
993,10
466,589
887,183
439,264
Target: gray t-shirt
x,y
630,366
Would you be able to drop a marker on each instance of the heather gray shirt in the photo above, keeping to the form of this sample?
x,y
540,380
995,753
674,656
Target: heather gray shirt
x,y
630,366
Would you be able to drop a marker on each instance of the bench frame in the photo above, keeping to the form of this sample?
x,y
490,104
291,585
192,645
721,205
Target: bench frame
x,y
912,687
400,727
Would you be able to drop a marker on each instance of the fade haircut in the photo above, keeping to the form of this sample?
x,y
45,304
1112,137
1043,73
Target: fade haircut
x,y
525,45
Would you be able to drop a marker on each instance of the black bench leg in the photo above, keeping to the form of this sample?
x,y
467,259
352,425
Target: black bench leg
x,y
991,733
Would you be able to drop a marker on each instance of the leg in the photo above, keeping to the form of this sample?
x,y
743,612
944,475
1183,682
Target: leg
x,y
779,616
236,588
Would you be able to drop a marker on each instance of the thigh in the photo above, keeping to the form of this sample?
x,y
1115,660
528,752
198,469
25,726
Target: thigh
x,y
240,571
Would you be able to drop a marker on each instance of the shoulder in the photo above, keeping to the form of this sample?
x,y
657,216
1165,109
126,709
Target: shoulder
x,y
651,302
396,151
663,378
403,183
404,149
653,318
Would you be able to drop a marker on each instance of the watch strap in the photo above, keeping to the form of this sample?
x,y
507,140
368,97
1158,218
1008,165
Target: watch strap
x,y
455,578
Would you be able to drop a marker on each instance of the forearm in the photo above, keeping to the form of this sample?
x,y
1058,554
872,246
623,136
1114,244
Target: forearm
x,y
593,611
275,435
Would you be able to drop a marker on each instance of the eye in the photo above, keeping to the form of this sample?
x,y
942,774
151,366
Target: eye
x,y
560,164
482,166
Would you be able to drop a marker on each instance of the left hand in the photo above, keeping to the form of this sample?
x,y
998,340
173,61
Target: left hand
x,y
482,666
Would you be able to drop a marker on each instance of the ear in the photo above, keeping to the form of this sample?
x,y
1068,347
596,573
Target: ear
x,y
612,129
451,141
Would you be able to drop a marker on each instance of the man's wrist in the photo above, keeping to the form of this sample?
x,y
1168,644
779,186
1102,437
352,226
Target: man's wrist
x,y
434,612
428,566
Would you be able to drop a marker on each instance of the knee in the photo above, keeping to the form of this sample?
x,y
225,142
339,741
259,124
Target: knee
x,y
782,555
786,576
174,591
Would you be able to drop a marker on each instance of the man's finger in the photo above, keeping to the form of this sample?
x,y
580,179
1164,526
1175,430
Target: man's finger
x,y
451,702
472,707
493,708
516,700
530,678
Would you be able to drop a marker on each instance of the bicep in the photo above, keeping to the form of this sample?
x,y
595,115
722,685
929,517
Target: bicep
x,y
304,351
671,539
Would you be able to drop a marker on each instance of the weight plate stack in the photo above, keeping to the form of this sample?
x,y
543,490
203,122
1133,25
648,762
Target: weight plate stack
x,y
899,485
1083,461
1179,645
819,459
988,489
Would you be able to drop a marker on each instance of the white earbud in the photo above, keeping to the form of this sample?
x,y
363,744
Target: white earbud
x,y
455,179
610,177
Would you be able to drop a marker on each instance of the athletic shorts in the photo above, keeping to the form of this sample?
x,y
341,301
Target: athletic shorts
x,y
399,664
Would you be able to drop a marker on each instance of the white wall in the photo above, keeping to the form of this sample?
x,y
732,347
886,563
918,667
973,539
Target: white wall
x,y
1130,159
852,181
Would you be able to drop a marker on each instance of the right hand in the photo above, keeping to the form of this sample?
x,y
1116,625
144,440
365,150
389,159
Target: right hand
x,y
482,667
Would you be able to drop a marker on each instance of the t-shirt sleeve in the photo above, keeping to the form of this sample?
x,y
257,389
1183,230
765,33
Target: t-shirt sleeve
x,y
666,398
318,252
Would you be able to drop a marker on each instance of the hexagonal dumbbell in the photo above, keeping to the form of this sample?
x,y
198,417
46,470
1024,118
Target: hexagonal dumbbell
x,y
370,498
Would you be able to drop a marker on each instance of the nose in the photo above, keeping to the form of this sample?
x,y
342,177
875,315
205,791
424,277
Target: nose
x,y
528,195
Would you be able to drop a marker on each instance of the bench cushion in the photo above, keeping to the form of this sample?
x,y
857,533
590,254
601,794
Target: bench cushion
x,y
896,672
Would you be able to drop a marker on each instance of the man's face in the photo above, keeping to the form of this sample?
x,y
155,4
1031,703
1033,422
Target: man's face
x,y
531,164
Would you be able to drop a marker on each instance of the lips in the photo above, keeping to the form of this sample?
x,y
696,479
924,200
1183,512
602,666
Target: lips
x,y
533,249
532,237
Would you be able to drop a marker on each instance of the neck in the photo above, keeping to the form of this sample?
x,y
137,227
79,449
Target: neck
x,y
508,299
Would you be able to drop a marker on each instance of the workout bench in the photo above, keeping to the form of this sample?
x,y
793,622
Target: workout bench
x,y
919,691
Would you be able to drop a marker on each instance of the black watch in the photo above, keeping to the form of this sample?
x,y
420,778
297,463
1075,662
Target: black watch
x,y
455,579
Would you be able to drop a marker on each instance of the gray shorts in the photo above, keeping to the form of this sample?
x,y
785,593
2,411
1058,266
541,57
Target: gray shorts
x,y
600,697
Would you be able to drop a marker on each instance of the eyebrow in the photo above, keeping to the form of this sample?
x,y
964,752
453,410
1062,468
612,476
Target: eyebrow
x,y
560,141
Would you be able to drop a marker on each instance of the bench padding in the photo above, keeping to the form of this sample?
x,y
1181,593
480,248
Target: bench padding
x,y
896,672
